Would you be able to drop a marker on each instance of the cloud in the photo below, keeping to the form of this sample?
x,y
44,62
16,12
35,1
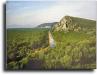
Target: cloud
x,y
51,13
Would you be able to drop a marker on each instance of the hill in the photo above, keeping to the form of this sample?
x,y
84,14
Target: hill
x,y
69,23
46,25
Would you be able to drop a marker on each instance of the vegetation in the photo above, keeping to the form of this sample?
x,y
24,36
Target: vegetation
x,y
21,43
76,50
28,48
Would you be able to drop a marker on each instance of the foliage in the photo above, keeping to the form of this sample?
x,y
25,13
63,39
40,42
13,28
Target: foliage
x,y
74,50
21,45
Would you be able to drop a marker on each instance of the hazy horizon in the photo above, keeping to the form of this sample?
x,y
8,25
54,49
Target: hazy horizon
x,y
21,14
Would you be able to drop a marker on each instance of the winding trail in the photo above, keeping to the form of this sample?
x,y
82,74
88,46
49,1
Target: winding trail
x,y
51,40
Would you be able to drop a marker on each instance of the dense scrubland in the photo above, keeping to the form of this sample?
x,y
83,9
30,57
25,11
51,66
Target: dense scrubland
x,y
28,48
21,42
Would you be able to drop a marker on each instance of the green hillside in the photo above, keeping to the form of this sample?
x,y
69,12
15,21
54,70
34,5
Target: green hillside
x,y
75,49
69,23
84,23
75,46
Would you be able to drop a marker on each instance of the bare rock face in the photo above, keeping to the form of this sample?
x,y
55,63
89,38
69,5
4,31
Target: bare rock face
x,y
66,24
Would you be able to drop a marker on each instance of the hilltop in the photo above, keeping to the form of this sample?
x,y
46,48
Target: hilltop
x,y
69,23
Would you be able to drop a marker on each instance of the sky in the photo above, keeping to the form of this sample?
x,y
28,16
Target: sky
x,y
27,14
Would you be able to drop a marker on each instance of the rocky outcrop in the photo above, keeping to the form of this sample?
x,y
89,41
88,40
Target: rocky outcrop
x,y
66,24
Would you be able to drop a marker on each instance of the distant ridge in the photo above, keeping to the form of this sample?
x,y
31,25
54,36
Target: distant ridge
x,y
46,25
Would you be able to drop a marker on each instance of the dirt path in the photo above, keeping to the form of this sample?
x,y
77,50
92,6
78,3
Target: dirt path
x,y
51,40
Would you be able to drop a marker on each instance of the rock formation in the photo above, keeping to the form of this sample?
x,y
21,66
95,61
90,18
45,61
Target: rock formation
x,y
66,24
